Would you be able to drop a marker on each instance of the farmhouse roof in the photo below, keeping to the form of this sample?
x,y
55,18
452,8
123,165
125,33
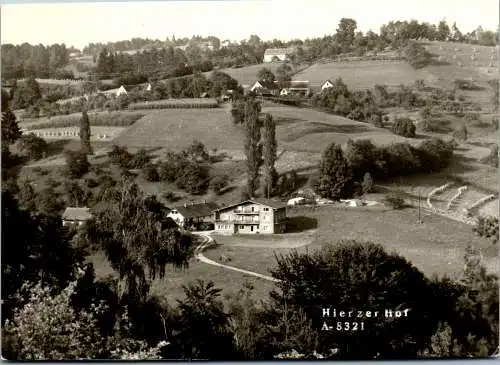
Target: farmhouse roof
x,y
266,202
330,81
194,210
76,214
265,84
278,51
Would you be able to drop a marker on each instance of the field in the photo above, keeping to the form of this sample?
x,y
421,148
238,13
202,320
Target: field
x,y
177,128
364,74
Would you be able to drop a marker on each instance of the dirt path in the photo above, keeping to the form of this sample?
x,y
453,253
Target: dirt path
x,y
207,241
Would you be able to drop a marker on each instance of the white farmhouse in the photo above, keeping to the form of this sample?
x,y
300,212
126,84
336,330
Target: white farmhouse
x,y
277,54
326,85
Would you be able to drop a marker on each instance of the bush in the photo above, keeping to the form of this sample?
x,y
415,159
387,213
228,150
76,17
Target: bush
x,y
367,184
404,127
461,133
395,201
150,173
139,159
34,147
77,164
219,183
120,156
350,275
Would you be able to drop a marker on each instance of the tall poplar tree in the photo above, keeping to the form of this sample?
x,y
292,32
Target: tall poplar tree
x,y
85,133
270,153
253,148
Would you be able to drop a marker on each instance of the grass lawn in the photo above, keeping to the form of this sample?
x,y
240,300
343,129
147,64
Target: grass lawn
x,y
170,287
436,246
307,130
177,128
364,74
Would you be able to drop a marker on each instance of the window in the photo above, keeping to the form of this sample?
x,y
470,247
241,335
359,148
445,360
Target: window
x,y
242,227
266,209
251,228
252,209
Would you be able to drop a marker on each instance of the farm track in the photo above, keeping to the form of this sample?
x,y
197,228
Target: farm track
x,y
209,240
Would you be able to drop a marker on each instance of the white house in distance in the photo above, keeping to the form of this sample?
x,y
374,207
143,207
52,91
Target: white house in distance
x,y
326,85
284,92
75,216
148,87
121,91
277,54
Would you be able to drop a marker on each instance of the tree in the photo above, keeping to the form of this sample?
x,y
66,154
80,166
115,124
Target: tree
x,y
253,148
404,127
443,32
39,252
85,133
48,327
346,33
335,180
219,183
456,35
202,331
461,133
284,75
77,164
367,184
495,98
270,153
33,146
10,128
193,177
361,276
136,239
265,75
487,227
150,173
416,55
27,94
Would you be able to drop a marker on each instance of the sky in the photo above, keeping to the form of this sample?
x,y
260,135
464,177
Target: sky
x,y
77,24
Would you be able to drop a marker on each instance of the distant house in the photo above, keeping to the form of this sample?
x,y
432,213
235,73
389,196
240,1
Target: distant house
x,y
277,54
121,91
114,92
326,85
148,87
251,216
76,216
225,43
284,92
265,88
193,213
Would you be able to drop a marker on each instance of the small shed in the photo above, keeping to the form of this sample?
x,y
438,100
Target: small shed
x,y
76,216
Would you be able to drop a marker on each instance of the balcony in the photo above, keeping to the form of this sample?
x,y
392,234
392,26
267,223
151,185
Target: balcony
x,y
246,211
238,221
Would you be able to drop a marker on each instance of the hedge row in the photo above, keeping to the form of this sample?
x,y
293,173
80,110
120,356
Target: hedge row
x,y
175,104
102,120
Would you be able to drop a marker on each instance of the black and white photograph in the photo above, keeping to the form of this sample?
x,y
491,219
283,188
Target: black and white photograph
x,y
250,180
